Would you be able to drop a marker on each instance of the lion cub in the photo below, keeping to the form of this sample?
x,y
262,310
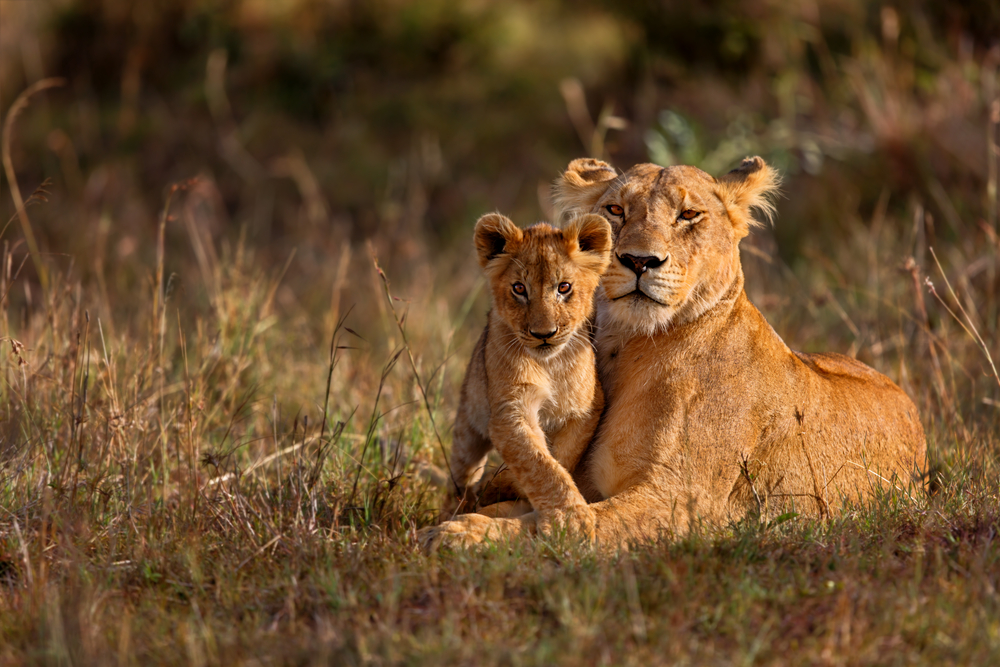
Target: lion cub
x,y
531,387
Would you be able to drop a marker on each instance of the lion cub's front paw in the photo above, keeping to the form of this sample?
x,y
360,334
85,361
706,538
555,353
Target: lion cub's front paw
x,y
577,522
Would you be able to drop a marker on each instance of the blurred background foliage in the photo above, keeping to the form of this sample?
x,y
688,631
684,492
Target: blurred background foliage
x,y
319,126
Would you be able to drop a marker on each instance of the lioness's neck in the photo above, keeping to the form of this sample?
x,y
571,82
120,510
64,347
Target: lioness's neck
x,y
679,345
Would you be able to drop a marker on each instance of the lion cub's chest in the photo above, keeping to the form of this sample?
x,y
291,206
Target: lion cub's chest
x,y
553,392
555,410
566,391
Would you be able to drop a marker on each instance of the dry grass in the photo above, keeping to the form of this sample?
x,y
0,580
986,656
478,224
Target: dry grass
x,y
171,492
218,436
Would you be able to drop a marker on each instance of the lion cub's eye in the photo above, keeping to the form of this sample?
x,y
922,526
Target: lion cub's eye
x,y
519,289
564,288
689,214
615,209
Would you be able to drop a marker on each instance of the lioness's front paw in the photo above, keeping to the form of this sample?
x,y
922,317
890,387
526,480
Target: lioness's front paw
x,y
578,522
463,532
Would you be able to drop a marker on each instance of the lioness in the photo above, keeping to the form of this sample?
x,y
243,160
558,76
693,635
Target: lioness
x,y
709,414
531,387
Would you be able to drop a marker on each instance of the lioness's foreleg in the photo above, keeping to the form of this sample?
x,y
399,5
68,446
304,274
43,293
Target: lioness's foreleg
x,y
638,514
506,509
471,529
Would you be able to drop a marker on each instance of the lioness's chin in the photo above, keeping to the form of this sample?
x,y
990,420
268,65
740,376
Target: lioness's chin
x,y
637,314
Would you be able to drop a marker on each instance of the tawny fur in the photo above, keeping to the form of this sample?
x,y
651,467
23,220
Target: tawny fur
x,y
710,416
536,399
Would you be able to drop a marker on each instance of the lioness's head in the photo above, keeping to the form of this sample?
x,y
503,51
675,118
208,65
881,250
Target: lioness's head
x,y
676,234
543,279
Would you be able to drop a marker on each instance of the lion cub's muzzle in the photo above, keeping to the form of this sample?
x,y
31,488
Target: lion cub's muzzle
x,y
544,336
547,341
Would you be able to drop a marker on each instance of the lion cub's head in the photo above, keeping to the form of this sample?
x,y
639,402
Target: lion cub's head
x,y
676,234
543,279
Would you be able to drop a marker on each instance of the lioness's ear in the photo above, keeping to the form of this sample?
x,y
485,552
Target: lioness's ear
x,y
581,185
493,233
589,240
752,185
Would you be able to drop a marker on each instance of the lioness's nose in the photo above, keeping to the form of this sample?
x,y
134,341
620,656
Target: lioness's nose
x,y
639,265
543,335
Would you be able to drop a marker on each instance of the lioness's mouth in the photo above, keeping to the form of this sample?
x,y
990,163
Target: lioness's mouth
x,y
638,294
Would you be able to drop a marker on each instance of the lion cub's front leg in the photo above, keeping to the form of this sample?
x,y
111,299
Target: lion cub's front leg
x,y
570,442
515,431
568,446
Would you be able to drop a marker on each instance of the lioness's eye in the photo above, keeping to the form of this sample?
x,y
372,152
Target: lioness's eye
x,y
689,214
615,209
564,288
519,289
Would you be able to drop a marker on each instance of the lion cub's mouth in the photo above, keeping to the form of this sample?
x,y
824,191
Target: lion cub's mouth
x,y
546,348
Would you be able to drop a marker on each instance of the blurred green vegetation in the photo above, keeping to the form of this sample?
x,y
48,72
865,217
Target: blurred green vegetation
x,y
414,117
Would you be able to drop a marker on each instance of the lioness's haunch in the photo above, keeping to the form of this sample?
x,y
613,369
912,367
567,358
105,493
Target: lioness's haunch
x,y
709,415
531,387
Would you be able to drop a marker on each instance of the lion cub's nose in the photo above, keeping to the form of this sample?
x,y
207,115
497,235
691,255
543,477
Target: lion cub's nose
x,y
543,335
638,265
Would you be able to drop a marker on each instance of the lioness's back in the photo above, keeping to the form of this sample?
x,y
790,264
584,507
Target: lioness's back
x,y
831,364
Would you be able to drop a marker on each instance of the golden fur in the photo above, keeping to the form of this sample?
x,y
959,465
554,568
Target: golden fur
x,y
531,387
709,414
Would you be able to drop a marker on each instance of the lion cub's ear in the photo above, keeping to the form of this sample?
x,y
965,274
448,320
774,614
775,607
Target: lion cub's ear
x,y
752,185
581,185
493,233
589,240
